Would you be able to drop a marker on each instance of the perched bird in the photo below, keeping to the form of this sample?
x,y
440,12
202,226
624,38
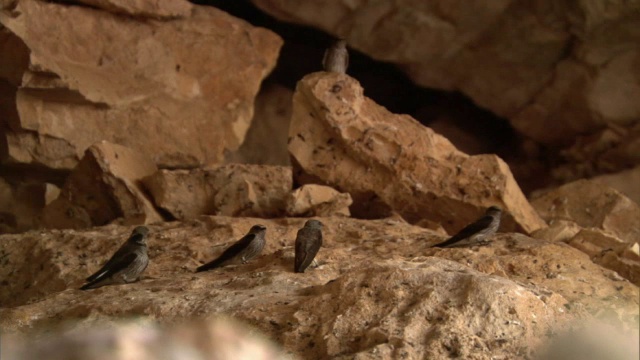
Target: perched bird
x,y
477,232
336,58
308,242
126,265
243,250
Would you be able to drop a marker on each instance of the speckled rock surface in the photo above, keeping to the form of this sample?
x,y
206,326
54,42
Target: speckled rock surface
x,y
379,290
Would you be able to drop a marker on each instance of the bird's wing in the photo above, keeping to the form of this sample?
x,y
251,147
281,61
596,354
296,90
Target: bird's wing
x,y
229,253
468,231
301,251
117,265
125,248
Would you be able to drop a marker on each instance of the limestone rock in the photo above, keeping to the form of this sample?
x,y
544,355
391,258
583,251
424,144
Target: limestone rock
x,y
318,200
610,150
625,181
591,205
380,290
558,230
266,140
570,67
21,204
341,138
232,190
103,187
134,81
158,9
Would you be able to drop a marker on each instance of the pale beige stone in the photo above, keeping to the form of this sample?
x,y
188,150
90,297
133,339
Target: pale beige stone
x,y
567,66
182,90
380,290
103,187
318,200
341,138
232,190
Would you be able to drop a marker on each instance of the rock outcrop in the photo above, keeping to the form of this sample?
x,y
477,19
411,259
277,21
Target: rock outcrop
x,y
596,219
570,67
318,200
341,138
231,190
105,186
380,290
177,84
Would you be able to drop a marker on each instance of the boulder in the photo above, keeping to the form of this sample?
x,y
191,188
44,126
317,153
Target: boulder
x,y
21,204
318,200
570,67
380,290
266,140
231,190
590,204
340,138
160,9
130,79
105,186
624,181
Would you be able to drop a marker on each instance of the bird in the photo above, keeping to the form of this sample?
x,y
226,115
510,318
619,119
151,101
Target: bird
x,y
245,249
308,242
336,57
126,265
477,232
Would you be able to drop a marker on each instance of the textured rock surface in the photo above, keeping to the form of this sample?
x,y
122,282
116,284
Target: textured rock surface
x,y
318,200
154,9
595,219
625,181
21,204
379,291
266,140
345,140
135,82
590,204
568,66
232,190
105,186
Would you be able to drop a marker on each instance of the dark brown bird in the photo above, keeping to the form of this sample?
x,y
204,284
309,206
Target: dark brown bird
x,y
126,265
477,232
308,242
243,250
336,58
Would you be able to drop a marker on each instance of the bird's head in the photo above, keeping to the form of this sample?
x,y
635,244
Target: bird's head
x,y
313,224
255,229
139,234
494,211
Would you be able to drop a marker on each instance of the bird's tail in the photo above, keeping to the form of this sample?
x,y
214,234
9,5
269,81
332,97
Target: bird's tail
x,y
212,265
89,285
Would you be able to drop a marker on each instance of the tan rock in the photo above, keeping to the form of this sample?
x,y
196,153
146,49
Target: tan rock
x,y
21,202
380,290
625,181
103,187
558,230
593,242
591,205
318,200
266,140
521,60
231,190
135,82
158,9
626,266
345,140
